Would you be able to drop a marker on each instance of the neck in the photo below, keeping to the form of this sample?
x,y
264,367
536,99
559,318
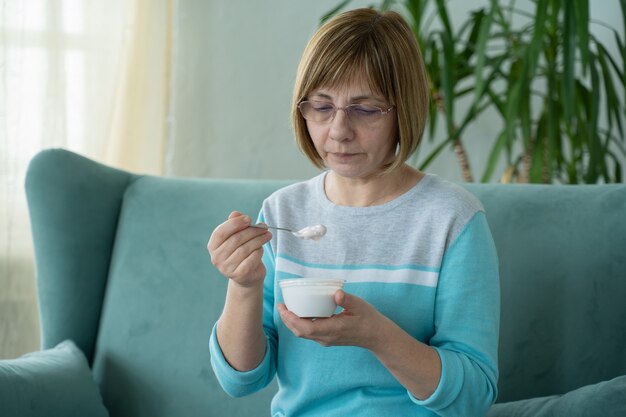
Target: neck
x,y
371,191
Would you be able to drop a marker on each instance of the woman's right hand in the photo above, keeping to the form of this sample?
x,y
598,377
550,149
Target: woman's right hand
x,y
236,250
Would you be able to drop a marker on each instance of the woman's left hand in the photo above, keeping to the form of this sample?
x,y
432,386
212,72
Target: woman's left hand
x,y
414,364
356,325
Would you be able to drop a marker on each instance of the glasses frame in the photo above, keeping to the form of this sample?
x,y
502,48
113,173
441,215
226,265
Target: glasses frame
x,y
382,111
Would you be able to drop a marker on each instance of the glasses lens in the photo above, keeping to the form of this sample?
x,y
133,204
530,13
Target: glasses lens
x,y
363,114
320,111
316,111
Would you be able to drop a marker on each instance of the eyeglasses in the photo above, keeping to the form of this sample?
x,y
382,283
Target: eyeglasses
x,y
322,111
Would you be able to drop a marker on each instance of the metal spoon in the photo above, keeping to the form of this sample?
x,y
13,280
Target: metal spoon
x,y
310,232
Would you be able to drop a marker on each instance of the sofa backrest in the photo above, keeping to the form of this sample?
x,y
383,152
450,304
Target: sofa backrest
x,y
163,297
562,259
562,253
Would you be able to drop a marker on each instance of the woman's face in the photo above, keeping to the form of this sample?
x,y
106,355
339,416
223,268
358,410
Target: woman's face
x,y
349,148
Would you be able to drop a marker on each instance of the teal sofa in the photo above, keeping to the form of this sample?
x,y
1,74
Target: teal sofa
x,y
123,273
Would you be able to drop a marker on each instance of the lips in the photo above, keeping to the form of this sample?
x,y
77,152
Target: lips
x,y
342,155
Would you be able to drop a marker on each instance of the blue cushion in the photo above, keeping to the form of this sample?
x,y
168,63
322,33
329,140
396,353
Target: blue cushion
x,y
604,399
53,382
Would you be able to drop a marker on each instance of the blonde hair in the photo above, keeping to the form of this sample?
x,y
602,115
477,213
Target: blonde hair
x,y
382,48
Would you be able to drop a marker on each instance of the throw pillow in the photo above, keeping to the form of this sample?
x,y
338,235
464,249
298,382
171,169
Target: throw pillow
x,y
606,399
53,382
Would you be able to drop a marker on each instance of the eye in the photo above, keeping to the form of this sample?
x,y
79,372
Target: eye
x,y
322,107
364,110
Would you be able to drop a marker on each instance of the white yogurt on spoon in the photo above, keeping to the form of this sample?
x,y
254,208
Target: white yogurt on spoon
x,y
311,232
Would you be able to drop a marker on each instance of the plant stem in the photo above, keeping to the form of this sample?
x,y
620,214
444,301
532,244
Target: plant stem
x,y
461,156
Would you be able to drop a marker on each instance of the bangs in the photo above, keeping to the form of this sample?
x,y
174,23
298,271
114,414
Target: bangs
x,y
356,58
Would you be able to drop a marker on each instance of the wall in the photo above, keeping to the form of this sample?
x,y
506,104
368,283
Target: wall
x,y
234,70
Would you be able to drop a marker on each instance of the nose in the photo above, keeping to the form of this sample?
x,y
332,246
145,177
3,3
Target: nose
x,y
340,128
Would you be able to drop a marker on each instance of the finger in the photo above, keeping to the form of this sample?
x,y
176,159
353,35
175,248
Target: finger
x,y
247,234
234,214
345,300
340,297
287,318
227,257
243,243
319,330
239,247
225,230
298,326
285,313
250,265
281,308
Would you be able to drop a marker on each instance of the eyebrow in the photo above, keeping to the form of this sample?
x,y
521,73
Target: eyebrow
x,y
355,98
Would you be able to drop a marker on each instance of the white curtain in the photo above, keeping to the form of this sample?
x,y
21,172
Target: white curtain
x,y
91,76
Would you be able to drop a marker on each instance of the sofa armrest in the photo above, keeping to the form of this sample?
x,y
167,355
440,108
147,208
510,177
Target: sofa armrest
x,y
72,241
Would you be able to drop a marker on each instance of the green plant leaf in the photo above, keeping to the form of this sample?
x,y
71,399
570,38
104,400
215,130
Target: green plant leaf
x,y
434,153
512,105
481,53
553,128
569,44
538,149
607,55
522,71
594,99
621,47
416,9
581,8
448,81
618,143
617,173
497,102
433,114
499,17
525,116
465,56
433,63
494,156
536,42
590,101
443,15
612,100
587,138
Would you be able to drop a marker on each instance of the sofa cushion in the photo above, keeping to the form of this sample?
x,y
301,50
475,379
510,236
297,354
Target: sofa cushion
x,y
603,399
53,382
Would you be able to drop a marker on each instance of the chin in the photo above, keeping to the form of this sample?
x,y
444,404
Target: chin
x,y
350,172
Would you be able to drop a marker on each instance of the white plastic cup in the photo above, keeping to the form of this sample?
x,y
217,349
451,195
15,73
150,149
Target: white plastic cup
x,y
311,297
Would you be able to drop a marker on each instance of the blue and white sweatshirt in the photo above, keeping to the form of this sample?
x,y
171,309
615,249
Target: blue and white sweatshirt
x,y
426,260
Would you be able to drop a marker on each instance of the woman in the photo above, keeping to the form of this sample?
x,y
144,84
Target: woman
x,y
418,330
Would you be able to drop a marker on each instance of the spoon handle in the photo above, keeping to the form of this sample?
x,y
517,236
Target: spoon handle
x,y
264,226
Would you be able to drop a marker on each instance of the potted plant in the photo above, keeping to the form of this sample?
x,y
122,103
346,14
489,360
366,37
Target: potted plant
x,y
557,89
